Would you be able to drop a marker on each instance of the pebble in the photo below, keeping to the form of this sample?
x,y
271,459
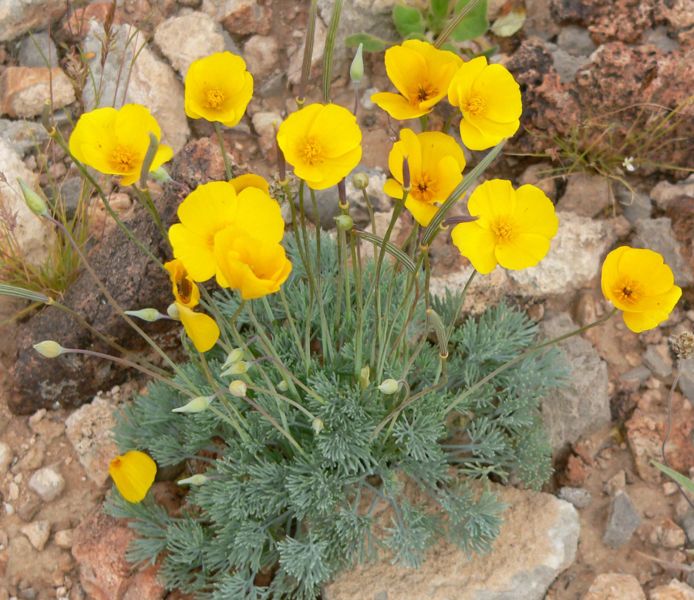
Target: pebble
x,y
5,458
38,533
63,538
622,521
32,459
669,488
657,359
47,483
579,497
38,50
616,483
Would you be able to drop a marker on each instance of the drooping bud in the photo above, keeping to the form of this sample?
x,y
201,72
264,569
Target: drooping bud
x,y
233,357
283,386
364,377
317,425
356,69
196,405
173,312
49,349
344,222
389,386
36,204
146,314
197,479
440,331
405,174
360,181
238,388
238,368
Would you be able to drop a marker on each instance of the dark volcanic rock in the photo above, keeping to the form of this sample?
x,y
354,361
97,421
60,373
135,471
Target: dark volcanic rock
x,y
131,279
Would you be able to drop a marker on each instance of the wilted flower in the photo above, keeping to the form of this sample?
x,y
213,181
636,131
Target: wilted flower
x,y
133,473
322,142
490,101
421,73
115,142
513,228
639,283
184,289
436,162
200,328
218,88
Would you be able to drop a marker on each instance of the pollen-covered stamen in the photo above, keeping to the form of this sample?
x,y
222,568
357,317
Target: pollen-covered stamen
x,y
123,159
311,151
474,105
423,188
214,98
503,231
424,92
628,292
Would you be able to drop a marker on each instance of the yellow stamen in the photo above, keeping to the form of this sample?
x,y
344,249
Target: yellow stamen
x,y
424,92
214,98
123,159
311,152
474,105
503,231
628,292
423,188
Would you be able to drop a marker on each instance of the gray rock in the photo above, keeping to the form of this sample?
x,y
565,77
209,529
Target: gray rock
x,y
658,36
687,523
635,206
575,40
5,458
586,195
565,64
579,497
47,483
151,82
38,50
636,375
540,175
19,16
38,533
186,38
583,405
665,192
622,521
544,527
687,378
657,235
262,55
657,359
573,261
21,135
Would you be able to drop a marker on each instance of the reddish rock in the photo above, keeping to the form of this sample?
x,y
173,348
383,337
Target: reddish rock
x,y
576,472
99,547
24,90
247,17
76,25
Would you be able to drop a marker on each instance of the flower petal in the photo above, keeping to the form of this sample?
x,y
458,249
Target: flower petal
x,y
476,244
133,474
200,328
398,106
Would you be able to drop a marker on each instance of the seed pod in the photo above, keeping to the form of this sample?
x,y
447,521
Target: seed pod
x,y
344,222
360,181
36,204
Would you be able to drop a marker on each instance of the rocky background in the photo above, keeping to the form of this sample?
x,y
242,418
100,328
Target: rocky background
x,y
597,78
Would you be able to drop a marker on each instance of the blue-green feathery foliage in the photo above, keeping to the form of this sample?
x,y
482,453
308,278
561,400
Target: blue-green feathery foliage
x,y
273,521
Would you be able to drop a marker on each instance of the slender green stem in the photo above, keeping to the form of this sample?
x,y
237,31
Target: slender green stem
x,y
146,199
460,304
228,171
292,326
274,394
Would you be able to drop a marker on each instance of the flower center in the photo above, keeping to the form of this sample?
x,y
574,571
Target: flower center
x,y
184,288
425,91
474,105
423,188
123,159
311,151
503,231
214,98
628,291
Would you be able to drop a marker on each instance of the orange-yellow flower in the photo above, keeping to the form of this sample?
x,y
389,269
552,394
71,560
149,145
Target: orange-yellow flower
x,y
639,283
436,163
133,473
115,142
218,88
322,142
513,228
421,73
490,101
184,289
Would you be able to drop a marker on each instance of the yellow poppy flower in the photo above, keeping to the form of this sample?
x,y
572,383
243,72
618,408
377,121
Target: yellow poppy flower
x,y
133,473
436,163
115,142
639,283
218,88
184,289
490,101
322,142
241,182
200,328
513,228
208,209
421,73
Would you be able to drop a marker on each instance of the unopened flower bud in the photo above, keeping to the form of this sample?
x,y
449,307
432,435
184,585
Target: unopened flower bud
x,y
356,70
198,479
238,388
172,311
49,348
237,368
405,174
233,357
389,386
360,181
344,222
317,425
196,405
160,175
283,386
342,195
364,377
36,204
146,314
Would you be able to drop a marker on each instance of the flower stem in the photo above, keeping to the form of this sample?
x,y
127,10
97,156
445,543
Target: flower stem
x,y
220,139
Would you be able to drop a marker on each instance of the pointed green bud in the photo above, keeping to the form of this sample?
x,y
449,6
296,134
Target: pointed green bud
x,y
233,357
238,388
440,331
356,70
198,479
317,425
49,348
238,368
196,405
146,314
389,386
283,386
160,175
360,181
36,204
344,222
364,377
172,311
